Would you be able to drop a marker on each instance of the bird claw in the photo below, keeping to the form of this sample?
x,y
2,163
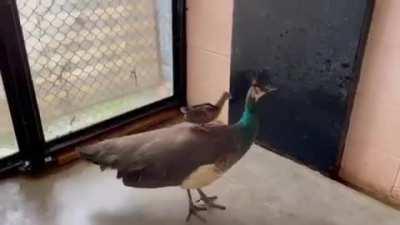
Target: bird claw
x,y
212,198
199,208
214,206
193,211
209,202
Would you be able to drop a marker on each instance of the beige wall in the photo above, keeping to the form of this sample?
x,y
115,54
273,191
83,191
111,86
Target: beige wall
x,y
209,44
372,153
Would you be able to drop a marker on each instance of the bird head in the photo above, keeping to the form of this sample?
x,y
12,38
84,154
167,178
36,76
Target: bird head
x,y
257,92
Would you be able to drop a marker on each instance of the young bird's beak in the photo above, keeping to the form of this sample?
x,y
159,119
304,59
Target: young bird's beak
x,y
270,89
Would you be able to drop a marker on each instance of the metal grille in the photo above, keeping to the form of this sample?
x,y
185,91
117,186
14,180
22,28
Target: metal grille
x,y
83,52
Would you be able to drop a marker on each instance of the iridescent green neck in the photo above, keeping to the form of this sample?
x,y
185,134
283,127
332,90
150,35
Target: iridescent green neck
x,y
249,119
248,125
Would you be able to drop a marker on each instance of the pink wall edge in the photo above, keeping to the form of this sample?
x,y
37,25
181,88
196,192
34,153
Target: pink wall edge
x,y
371,158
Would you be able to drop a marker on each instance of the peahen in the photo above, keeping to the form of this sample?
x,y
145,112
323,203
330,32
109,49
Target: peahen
x,y
180,155
204,113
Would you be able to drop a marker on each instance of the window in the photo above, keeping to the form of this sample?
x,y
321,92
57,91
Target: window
x,y
91,60
77,68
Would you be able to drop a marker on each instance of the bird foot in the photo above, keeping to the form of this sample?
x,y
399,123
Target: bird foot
x,y
209,202
194,211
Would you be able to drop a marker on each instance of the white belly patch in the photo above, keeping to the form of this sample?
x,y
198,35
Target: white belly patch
x,y
202,177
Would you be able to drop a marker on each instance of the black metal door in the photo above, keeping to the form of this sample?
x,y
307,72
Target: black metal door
x,y
312,51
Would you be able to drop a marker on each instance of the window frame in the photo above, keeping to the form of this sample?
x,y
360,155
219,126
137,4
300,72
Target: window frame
x,y
23,105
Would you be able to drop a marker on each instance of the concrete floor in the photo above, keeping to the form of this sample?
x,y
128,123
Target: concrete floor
x,y
262,188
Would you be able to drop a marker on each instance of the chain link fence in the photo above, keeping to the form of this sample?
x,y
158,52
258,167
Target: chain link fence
x,y
86,52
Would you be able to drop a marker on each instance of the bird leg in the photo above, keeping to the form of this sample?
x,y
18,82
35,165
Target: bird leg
x,y
194,209
210,201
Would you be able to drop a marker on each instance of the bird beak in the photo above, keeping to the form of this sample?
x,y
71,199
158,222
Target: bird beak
x,y
270,89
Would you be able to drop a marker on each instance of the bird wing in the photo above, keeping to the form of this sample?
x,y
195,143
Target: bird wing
x,y
169,155
174,154
108,153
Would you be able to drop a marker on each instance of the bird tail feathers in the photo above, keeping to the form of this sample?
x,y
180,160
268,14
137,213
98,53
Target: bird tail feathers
x,y
99,154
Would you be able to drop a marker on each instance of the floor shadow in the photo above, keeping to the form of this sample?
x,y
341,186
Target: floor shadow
x,y
140,217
